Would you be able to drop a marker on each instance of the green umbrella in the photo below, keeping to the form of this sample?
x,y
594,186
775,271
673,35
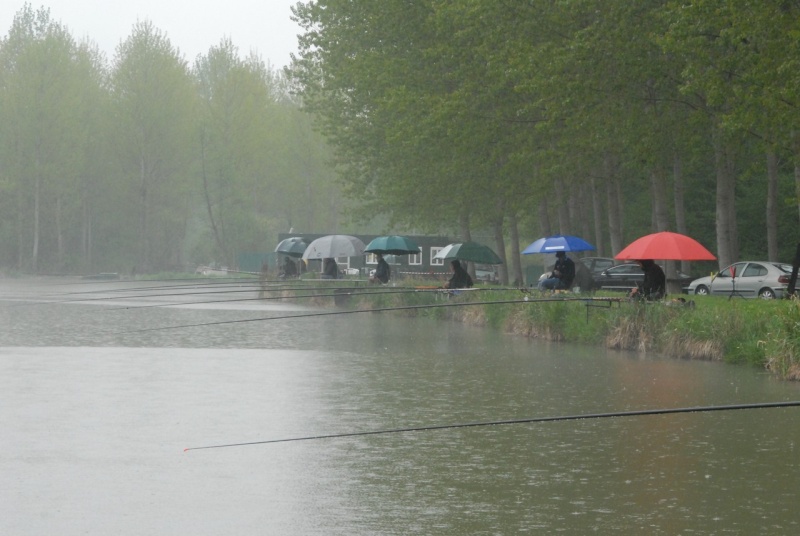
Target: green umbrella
x,y
469,251
293,247
392,245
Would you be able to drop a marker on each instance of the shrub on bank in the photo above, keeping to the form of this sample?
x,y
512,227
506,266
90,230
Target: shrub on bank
x,y
763,333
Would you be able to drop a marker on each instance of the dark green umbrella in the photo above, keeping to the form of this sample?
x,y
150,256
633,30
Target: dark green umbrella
x,y
293,247
392,245
469,251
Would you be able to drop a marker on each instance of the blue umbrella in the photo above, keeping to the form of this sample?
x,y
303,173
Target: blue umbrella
x,y
556,243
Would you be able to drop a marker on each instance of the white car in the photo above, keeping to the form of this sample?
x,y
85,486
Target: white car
x,y
753,279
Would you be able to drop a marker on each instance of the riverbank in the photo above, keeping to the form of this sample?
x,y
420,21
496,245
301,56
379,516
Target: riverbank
x,y
762,333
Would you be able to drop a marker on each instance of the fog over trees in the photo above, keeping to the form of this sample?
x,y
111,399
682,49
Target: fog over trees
x,y
503,121
145,162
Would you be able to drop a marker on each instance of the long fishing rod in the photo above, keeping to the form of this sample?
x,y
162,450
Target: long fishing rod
x,y
634,413
242,289
196,284
362,291
47,299
107,298
374,310
117,281
252,288
242,283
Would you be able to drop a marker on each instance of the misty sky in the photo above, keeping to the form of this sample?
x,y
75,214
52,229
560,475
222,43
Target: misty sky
x,y
193,27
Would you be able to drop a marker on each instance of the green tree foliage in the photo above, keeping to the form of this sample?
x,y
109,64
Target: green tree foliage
x,y
608,119
263,169
47,125
442,111
153,104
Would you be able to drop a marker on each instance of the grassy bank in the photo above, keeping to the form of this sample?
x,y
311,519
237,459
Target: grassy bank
x,y
756,332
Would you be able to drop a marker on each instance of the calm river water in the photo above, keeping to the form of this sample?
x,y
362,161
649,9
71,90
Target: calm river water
x,y
95,418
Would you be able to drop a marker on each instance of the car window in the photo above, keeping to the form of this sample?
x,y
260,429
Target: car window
x,y
784,267
602,265
727,271
754,270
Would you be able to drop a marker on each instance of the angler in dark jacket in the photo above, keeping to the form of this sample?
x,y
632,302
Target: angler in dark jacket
x,y
330,270
562,276
460,277
382,272
654,285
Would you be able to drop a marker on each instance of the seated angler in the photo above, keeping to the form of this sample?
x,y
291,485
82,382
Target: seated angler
x,y
654,285
382,272
562,275
460,277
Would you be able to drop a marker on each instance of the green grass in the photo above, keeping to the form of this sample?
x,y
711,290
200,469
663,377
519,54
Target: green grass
x,y
761,333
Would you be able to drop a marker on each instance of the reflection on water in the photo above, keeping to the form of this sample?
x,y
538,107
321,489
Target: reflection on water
x,y
95,416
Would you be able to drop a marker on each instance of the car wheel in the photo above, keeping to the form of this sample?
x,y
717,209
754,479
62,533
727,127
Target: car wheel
x,y
702,290
766,294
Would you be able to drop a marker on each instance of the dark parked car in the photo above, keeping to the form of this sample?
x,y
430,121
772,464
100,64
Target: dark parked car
x,y
627,276
597,264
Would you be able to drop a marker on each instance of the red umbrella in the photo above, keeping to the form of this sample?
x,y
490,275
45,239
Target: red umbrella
x,y
666,246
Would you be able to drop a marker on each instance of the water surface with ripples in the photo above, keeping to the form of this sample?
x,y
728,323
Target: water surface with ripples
x,y
97,406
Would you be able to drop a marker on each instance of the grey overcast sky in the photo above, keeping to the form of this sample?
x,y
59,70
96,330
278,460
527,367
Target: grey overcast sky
x,y
192,26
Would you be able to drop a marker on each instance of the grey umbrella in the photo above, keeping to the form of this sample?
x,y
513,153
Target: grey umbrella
x,y
334,246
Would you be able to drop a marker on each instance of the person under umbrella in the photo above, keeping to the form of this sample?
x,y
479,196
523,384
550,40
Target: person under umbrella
x,y
655,282
330,270
289,268
460,277
562,275
382,272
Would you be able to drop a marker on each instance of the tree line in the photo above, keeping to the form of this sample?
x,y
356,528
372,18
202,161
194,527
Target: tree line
x,y
146,163
608,119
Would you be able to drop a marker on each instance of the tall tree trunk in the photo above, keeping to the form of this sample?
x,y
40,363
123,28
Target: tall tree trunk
x,y
214,228
614,207
86,228
725,197
466,236
573,211
500,244
680,205
143,227
598,218
516,264
21,213
59,234
544,218
772,206
35,250
89,245
584,213
463,227
562,209
658,188
797,187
